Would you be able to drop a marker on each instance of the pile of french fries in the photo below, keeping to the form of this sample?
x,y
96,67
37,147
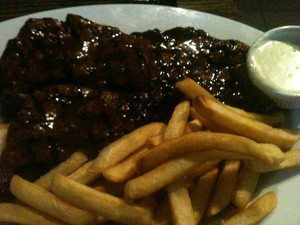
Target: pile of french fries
x,y
200,168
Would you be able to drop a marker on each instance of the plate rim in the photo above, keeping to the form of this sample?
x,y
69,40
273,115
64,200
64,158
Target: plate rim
x,y
76,8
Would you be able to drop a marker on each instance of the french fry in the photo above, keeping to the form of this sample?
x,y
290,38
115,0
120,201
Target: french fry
x,y
125,169
180,203
154,141
65,168
202,169
162,215
207,123
202,192
292,159
255,212
224,187
159,177
195,125
179,200
171,170
3,135
203,141
275,119
273,152
123,147
177,124
20,214
245,187
100,203
191,89
46,202
83,175
241,125
222,216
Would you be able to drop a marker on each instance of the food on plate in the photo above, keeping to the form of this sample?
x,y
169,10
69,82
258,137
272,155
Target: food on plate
x,y
171,170
201,193
125,169
177,191
187,187
194,126
178,122
67,167
191,89
292,158
82,174
76,85
256,211
100,203
276,65
201,141
20,214
123,147
245,187
239,124
224,187
48,203
180,203
3,136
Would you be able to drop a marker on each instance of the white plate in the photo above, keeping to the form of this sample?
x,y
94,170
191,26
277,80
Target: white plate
x,y
131,18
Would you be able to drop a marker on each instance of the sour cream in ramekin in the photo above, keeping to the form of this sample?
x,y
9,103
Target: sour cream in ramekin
x,y
274,65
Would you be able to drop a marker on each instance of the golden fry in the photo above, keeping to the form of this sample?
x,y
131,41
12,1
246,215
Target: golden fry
x,y
224,187
203,168
274,152
125,169
203,141
177,124
195,125
255,212
276,119
3,135
171,170
13,213
207,123
46,202
65,168
241,125
179,199
245,187
222,216
202,192
180,203
154,141
83,175
292,159
191,89
100,203
125,146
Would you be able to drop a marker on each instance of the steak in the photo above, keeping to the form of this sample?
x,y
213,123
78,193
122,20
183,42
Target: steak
x,y
77,85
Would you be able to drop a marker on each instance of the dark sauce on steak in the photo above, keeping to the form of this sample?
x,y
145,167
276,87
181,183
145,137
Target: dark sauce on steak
x,y
78,85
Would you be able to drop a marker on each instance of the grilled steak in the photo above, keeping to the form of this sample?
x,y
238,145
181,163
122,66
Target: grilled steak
x,y
77,85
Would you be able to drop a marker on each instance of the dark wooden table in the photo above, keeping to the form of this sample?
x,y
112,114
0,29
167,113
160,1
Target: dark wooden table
x,y
261,14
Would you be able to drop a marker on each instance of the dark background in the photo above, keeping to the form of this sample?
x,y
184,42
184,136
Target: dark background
x,y
261,14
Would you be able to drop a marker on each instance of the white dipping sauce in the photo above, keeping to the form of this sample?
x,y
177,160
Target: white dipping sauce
x,y
276,64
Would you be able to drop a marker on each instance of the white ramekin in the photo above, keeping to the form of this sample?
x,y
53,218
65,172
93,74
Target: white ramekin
x,y
287,34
